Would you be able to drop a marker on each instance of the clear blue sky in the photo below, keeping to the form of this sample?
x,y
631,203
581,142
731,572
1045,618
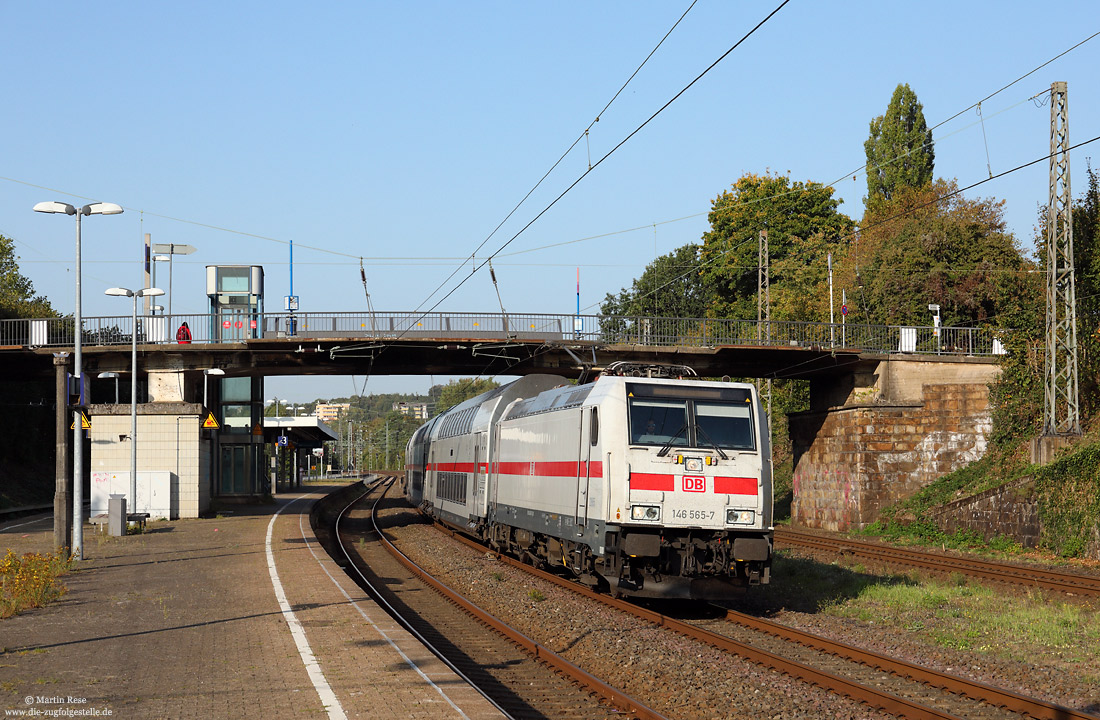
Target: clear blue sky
x,y
403,133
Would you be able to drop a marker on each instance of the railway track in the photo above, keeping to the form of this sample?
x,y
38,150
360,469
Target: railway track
x,y
1027,576
896,687
521,677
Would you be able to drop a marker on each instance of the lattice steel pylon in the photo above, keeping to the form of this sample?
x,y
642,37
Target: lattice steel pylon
x,y
763,289
1061,413
764,309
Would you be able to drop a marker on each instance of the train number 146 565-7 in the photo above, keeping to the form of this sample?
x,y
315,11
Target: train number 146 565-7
x,y
692,514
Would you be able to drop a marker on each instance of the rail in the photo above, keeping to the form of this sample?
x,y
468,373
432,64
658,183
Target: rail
x,y
600,329
1026,575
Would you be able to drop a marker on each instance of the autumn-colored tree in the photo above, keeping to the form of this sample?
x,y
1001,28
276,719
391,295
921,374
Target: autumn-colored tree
x,y
899,150
931,245
803,224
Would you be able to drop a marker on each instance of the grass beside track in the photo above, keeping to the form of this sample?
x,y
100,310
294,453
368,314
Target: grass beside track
x,y
956,613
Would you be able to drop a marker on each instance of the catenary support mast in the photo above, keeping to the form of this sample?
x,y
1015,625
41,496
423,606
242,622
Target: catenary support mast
x,y
1061,414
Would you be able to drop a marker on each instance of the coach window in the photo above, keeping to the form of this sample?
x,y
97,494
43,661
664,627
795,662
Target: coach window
x,y
595,422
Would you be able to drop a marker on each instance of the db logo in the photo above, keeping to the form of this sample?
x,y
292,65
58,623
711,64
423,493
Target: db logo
x,y
695,483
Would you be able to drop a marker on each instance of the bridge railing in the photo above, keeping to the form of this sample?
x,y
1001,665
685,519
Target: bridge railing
x,y
497,327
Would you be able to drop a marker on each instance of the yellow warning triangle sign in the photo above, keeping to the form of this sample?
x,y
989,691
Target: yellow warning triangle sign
x,y
85,424
210,422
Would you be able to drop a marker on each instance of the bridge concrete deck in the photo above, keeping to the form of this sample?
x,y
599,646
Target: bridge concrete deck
x,y
186,621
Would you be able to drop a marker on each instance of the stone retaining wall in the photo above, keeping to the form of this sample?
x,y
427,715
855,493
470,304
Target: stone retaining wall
x,y
851,462
1010,511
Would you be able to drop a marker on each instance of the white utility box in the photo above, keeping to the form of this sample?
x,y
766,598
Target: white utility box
x,y
154,493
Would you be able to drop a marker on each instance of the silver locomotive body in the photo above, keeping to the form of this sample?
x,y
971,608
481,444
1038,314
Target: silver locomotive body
x,y
644,487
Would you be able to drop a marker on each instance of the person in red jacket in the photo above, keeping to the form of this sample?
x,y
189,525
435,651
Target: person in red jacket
x,y
183,335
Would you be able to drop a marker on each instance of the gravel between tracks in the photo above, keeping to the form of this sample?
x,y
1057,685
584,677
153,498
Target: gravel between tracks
x,y
682,679
675,676
1051,675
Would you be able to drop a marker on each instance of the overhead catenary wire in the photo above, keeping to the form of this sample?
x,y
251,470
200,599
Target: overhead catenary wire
x,y
863,228
582,136
1041,97
593,167
612,151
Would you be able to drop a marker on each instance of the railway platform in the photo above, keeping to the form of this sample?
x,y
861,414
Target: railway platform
x,y
239,616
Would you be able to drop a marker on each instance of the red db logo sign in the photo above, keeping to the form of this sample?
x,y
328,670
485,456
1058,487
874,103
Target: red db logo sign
x,y
695,483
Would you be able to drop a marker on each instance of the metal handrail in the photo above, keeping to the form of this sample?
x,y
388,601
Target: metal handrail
x,y
502,327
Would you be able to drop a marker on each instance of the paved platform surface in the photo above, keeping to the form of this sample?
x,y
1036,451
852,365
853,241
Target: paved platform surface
x,y
188,621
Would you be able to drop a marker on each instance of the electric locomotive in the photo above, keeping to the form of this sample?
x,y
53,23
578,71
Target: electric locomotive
x,y
639,486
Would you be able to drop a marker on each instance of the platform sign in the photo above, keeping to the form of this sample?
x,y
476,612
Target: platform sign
x,y
282,441
210,423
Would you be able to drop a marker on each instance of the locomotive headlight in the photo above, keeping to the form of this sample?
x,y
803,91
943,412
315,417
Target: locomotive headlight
x,y
645,512
693,464
740,517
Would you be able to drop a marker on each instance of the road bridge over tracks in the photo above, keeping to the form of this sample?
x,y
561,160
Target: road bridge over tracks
x,y
892,407
485,343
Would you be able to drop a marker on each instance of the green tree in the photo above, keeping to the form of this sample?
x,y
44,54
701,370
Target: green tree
x,y
917,249
670,286
1086,267
802,220
457,391
899,150
17,298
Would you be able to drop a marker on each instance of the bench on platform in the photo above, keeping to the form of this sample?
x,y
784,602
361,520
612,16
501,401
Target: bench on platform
x,y
137,518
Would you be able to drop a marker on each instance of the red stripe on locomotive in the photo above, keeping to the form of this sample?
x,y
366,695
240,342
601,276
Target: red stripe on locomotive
x,y
735,485
650,481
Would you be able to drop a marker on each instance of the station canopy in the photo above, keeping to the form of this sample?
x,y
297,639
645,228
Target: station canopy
x,y
302,432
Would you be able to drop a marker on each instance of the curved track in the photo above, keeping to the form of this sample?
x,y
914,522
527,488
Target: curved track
x,y
909,691
1027,576
502,664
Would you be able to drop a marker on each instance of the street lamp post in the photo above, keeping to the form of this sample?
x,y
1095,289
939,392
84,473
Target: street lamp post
x,y
123,292
935,309
156,259
78,327
171,250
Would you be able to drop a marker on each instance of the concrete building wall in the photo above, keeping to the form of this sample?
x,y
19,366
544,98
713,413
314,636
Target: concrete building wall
x,y
166,386
898,381
851,462
169,437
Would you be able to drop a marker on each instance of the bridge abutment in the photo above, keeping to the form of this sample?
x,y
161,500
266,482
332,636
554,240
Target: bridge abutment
x,y
882,432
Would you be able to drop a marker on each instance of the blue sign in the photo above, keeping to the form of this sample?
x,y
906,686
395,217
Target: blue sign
x,y
282,440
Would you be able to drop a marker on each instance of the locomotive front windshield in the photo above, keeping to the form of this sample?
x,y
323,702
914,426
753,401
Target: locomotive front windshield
x,y
656,422
700,417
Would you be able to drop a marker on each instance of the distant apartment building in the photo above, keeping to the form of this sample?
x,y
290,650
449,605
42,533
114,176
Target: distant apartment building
x,y
417,411
328,412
